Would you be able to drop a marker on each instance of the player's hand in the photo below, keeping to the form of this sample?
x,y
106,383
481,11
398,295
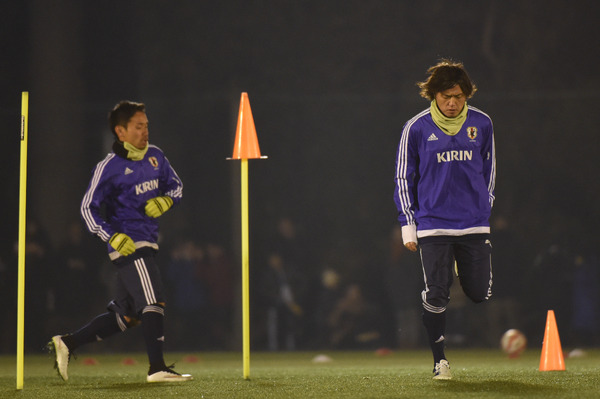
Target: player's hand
x,y
122,243
158,205
411,246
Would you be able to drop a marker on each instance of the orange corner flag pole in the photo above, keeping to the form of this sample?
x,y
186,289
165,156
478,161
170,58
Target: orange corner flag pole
x,y
245,147
552,355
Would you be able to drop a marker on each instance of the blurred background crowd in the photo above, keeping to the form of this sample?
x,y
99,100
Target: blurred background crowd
x,y
339,298
330,85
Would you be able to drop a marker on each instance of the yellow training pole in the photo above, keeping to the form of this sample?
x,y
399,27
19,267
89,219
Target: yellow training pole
x,y
22,226
245,271
245,147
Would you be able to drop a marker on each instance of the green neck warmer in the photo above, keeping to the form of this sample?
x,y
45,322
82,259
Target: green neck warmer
x,y
450,126
133,153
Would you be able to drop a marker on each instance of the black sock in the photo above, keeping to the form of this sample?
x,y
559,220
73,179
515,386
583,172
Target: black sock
x,y
152,325
435,324
103,326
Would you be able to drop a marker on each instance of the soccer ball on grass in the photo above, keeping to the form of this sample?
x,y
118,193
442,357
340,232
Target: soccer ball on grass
x,y
513,342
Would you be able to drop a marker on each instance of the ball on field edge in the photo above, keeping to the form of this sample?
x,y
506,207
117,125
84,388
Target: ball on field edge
x,y
513,343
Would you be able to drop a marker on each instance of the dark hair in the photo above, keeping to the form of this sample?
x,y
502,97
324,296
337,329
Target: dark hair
x,y
445,75
122,113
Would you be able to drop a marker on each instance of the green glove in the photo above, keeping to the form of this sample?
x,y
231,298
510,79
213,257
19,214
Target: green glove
x,y
122,243
158,205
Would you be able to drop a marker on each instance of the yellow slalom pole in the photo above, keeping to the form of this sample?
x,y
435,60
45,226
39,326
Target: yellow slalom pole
x,y
245,147
22,227
245,272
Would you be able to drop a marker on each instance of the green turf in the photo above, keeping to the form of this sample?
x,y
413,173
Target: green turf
x,y
402,374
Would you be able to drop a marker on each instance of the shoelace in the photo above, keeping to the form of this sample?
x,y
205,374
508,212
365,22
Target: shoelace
x,y
52,350
168,369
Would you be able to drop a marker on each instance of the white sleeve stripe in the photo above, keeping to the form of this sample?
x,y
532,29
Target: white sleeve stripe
x,y
492,183
87,199
177,193
402,182
480,111
402,162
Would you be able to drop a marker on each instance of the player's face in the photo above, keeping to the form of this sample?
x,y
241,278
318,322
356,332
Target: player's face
x,y
451,101
136,132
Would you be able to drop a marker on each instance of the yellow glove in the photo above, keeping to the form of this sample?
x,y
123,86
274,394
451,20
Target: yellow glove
x,y
122,243
158,205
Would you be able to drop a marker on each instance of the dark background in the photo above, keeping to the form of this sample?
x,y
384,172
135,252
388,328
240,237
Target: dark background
x,y
330,84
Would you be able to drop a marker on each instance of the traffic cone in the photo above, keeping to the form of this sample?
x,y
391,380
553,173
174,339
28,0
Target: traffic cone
x,y
246,142
552,354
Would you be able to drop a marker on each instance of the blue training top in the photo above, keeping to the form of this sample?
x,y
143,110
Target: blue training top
x,y
445,183
116,197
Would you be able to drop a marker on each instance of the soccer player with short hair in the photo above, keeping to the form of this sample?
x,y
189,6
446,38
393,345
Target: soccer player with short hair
x,y
445,179
129,190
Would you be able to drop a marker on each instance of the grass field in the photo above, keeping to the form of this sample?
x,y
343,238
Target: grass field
x,y
288,375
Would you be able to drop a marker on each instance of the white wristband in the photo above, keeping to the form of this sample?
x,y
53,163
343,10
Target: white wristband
x,y
409,233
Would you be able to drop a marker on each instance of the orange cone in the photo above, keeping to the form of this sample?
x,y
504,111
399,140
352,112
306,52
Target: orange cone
x,y
90,361
246,142
552,354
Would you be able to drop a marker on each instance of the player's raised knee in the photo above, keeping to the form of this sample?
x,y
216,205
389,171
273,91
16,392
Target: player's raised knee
x,y
479,296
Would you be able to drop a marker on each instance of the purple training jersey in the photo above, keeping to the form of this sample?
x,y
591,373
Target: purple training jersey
x,y
116,197
445,183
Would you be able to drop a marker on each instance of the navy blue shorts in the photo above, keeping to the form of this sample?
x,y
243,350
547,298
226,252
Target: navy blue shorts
x,y
139,284
472,255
